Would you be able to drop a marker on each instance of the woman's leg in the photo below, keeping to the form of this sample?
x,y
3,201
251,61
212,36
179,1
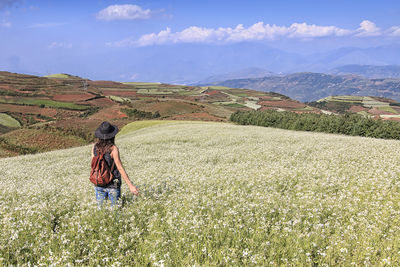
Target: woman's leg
x,y
114,194
101,195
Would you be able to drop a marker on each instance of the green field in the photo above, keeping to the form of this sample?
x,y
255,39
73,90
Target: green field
x,y
43,102
141,83
58,75
119,99
8,121
211,195
137,125
234,105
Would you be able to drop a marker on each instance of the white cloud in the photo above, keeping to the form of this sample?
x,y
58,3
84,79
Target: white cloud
x,y
394,31
368,28
123,12
59,45
256,32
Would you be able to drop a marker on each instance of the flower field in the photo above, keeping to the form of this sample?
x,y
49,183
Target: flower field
x,y
211,194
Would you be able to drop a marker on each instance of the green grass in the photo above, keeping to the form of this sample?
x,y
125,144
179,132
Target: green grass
x,y
306,108
154,92
119,99
235,105
9,121
137,125
344,98
388,109
217,87
141,83
58,75
134,126
45,102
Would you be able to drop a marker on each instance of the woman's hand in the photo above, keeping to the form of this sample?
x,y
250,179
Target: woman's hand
x,y
134,190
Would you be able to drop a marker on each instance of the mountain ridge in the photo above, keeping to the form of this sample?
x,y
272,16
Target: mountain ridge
x,y
310,86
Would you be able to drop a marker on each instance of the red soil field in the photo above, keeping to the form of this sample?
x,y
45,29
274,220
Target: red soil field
x,y
102,102
356,109
109,114
281,104
213,93
105,83
24,92
73,97
51,112
375,111
171,107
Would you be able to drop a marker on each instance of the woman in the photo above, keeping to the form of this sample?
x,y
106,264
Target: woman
x,y
105,145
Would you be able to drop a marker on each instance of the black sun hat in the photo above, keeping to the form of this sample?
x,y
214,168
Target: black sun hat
x,y
106,130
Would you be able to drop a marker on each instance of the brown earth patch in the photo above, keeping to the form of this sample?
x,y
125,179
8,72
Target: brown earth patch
x,y
356,109
106,83
169,107
268,108
73,97
42,140
101,102
265,97
391,119
213,93
282,104
195,98
376,111
110,113
50,112
25,91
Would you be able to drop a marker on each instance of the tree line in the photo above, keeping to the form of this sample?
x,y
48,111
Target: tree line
x,y
348,124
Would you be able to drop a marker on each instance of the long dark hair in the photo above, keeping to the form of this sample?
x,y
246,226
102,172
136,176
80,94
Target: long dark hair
x,y
105,145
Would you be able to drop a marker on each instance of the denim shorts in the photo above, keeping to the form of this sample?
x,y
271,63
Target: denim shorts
x,y
113,194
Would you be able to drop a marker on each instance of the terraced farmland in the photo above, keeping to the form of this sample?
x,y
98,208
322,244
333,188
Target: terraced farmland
x,y
76,106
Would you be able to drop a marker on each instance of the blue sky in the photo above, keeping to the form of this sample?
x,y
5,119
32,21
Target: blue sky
x,y
104,39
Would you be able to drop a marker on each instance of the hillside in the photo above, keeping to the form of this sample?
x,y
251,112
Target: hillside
x,y
240,74
368,71
212,194
313,86
376,107
58,111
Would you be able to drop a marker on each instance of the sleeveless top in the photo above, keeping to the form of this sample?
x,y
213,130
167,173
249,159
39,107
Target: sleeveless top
x,y
116,182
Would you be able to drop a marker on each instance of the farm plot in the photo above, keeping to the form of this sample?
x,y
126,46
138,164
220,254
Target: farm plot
x,y
8,121
43,102
212,195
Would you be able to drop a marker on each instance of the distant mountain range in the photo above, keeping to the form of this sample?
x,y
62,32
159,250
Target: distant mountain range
x,y
194,63
240,74
368,71
309,86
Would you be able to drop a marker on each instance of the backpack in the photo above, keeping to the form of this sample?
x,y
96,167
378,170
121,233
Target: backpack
x,y
101,174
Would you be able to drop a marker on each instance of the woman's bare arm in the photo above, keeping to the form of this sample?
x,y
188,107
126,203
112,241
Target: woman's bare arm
x,y
118,163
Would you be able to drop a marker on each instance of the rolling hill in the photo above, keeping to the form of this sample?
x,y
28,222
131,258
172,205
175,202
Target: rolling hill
x,y
58,111
313,86
376,107
368,71
211,194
